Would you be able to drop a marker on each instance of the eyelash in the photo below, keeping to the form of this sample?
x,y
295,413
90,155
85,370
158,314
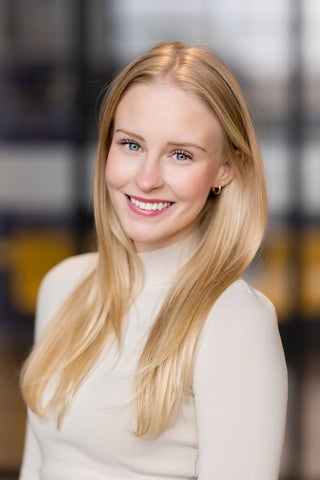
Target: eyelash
x,y
183,152
128,141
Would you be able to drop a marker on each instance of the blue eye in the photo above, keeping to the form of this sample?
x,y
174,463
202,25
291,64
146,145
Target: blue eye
x,y
131,145
182,155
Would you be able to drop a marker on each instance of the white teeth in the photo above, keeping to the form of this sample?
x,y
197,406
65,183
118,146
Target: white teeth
x,y
149,206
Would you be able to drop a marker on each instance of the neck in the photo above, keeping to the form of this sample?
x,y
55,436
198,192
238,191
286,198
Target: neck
x,y
162,264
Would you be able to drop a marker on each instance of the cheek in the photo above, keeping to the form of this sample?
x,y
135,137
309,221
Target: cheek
x,y
194,187
113,172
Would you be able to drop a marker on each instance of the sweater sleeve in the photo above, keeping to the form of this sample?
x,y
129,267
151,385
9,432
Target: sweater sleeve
x,y
31,462
240,389
55,287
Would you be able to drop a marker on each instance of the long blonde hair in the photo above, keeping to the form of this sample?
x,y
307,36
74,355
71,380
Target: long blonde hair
x,y
232,228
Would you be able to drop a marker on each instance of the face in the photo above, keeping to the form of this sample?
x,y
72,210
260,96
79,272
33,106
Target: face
x,y
166,154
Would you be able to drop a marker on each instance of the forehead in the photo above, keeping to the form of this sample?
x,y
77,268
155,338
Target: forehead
x,y
166,106
163,91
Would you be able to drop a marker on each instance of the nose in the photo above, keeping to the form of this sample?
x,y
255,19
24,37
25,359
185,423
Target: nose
x,y
150,177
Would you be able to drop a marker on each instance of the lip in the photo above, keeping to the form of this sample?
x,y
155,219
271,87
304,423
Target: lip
x,y
149,200
147,213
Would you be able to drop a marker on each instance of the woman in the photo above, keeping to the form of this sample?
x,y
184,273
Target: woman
x,y
154,359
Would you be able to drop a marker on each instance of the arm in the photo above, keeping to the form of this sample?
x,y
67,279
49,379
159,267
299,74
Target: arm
x,y
240,388
31,460
54,289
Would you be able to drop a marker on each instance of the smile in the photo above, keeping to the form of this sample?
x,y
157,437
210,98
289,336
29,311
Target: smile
x,y
150,206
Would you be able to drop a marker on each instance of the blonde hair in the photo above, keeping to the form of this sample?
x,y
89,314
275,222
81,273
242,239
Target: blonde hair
x,y
232,227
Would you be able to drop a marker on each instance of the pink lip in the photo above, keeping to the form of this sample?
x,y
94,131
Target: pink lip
x,y
146,213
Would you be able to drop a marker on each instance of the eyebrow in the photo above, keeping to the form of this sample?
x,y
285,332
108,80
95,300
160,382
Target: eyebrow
x,y
173,144
186,144
130,134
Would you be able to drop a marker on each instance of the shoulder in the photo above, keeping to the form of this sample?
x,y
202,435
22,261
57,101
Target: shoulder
x,y
240,316
59,283
241,334
69,271
240,298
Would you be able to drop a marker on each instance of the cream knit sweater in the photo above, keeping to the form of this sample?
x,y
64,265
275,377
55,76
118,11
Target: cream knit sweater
x,y
231,428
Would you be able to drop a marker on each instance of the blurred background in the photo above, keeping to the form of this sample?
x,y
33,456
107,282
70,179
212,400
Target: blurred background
x,y
56,57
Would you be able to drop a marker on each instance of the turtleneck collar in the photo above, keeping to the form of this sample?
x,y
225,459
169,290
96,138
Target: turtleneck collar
x,y
162,264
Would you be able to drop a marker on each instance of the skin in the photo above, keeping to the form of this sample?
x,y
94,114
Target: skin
x,y
165,156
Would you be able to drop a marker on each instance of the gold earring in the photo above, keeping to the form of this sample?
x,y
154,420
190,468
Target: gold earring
x,y
216,190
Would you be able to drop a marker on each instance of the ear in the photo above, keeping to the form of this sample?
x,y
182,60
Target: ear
x,y
226,174
227,170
